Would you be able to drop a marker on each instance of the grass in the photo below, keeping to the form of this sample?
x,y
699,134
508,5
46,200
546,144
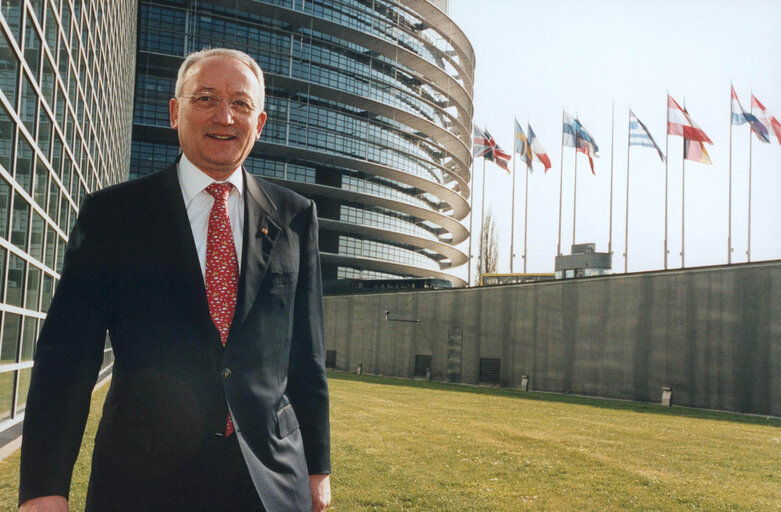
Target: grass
x,y
403,445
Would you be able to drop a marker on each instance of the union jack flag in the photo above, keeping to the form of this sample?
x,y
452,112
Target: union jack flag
x,y
483,144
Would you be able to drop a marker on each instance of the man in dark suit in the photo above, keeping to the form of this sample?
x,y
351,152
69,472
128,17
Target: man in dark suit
x,y
208,282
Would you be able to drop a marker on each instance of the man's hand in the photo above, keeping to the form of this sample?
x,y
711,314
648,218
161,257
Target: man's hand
x,y
320,485
53,504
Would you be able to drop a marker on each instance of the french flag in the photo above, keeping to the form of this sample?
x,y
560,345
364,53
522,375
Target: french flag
x,y
537,149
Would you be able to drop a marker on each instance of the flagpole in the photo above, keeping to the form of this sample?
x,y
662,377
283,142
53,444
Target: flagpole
x,y
750,152
482,223
512,209
683,197
575,192
526,215
471,223
666,167
561,179
626,217
612,140
729,201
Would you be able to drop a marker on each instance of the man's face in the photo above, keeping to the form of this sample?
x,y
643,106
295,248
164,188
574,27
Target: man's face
x,y
218,140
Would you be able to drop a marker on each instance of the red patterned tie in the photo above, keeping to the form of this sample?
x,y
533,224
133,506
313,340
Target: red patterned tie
x,y
222,268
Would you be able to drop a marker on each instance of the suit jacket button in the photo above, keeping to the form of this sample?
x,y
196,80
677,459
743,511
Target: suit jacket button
x,y
226,372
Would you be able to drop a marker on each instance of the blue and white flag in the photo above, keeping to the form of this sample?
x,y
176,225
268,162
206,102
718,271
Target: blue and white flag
x,y
576,136
640,136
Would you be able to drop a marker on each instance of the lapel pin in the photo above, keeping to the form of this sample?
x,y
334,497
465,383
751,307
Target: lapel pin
x,y
264,231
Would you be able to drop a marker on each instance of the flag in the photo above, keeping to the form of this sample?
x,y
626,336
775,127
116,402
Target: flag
x,y
480,143
681,124
499,156
575,135
522,146
484,145
764,118
640,136
569,131
537,148
695,150
740,116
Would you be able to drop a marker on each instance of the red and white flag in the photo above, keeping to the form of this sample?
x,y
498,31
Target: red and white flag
x,y
537,149
681,124
758,109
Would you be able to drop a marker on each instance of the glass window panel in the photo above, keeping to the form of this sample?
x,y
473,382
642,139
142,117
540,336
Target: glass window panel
x,y
51,28
5,208
15,280
37,7
47,292
59,111
19,222
32,47
24,387
29,333
60,253
51,246
62,220
7,382
7,128
24,164
56,157
12,11
36,236
71,218
3,254
44,131
48,81
54,197
9,345
9,66
33,287
28,104
40,183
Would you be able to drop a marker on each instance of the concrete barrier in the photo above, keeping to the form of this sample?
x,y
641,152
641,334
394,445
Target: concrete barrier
x,y
712,334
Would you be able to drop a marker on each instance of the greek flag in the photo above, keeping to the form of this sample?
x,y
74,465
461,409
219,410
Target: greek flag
x,y
640,136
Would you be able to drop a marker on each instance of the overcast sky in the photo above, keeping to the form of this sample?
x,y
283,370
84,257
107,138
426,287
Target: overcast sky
x,y
537,57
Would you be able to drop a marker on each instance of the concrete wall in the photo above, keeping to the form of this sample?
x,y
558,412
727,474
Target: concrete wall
x,y
712,334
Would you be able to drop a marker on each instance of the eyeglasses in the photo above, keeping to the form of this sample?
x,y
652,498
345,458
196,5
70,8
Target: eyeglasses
x,y
209,102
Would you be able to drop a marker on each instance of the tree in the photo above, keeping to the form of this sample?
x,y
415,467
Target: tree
x,y
489,246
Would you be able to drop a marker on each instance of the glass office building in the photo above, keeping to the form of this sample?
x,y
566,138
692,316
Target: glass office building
x,y
370,114
66,95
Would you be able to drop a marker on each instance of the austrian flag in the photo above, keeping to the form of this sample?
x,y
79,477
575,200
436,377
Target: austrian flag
x,y
679,123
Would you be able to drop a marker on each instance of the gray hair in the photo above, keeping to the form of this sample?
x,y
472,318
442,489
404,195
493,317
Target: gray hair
x,y
195,57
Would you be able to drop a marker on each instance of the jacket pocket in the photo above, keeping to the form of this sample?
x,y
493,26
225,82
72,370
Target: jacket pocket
x,y
287,422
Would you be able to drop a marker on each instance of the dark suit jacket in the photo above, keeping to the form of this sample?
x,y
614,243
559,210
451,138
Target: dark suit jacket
x,y
131,269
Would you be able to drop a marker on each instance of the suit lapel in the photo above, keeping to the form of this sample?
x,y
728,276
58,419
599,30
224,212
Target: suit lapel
x,y
261,231
181,247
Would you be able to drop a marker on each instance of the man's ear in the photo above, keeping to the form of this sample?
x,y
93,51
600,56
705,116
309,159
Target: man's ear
x,y
173,111
261,121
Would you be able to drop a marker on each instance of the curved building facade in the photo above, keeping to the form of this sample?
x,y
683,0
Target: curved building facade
x,y
370,115
66,95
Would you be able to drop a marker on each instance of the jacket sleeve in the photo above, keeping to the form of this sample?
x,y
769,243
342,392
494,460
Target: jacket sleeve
x,y
307,383
68,357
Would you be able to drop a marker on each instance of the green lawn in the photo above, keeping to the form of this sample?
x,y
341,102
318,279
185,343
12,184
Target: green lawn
x,y
410,445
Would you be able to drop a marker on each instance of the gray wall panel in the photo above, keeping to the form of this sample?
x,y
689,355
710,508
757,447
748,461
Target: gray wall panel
x,y
712,334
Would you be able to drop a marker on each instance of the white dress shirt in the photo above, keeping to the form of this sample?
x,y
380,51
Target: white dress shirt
x,y
199,205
